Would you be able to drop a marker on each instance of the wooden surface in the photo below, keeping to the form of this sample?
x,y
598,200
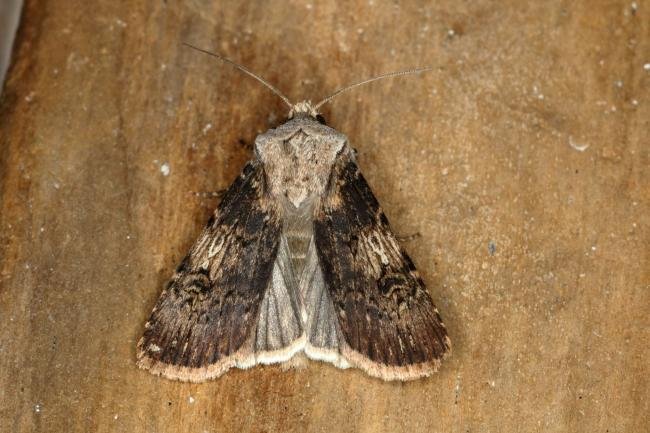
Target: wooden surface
x,y
522,161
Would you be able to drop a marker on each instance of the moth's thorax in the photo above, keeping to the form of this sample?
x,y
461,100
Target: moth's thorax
x,y
297,157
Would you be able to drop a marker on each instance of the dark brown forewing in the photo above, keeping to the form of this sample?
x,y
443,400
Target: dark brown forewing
x,y
209,307
384,310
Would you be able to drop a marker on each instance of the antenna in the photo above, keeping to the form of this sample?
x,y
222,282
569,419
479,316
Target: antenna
x,y
245,71
370,80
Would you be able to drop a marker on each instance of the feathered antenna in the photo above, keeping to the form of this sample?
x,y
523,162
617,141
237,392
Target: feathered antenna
x,y
245,71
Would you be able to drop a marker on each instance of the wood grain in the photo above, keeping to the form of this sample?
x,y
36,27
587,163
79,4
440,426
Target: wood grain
x,y
522,160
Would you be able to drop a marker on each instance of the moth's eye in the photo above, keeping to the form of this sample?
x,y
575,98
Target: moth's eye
x,y
320,119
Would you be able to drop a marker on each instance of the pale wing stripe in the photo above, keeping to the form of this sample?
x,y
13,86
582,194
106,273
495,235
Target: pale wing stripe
x,y
278,323
278,320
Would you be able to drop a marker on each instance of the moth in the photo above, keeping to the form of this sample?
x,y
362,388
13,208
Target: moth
x,y
298,258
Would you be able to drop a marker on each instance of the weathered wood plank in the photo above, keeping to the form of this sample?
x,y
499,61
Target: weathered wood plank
x,y
523,163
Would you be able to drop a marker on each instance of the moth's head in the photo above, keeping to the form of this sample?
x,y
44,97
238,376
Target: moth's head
x,y
305,109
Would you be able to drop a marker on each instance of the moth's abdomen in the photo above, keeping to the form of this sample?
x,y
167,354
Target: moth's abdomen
x,y
298,246
298,231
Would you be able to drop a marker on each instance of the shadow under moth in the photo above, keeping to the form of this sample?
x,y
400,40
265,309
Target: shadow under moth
x,y
298,258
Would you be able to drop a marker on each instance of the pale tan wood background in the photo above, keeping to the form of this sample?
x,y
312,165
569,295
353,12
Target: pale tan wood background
x,y
531,136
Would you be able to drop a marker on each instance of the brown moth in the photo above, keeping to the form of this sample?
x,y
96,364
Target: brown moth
x,y
298,258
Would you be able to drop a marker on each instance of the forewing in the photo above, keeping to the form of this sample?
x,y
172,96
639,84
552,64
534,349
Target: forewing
x,y
390,325
205,319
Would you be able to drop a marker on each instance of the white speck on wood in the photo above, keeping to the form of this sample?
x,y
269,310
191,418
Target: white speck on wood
x,y
577,146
